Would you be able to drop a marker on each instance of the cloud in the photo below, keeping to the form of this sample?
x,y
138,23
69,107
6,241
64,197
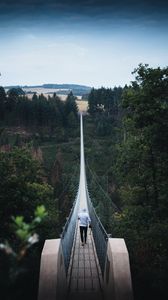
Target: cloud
x,y
86,7
82,13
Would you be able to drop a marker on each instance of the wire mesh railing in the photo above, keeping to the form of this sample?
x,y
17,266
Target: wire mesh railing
x,y
99,234
67,236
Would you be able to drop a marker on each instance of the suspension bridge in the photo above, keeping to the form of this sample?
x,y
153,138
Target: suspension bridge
x,y
99,270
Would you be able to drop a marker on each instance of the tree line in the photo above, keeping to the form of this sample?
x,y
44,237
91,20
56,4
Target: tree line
x,y
17,109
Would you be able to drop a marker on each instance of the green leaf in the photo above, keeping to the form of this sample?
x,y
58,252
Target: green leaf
x,y
18,220
23,234
40,211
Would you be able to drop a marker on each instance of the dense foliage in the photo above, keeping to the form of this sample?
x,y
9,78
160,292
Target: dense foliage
x,y
137,178
34,172
142,177
22,190
22,187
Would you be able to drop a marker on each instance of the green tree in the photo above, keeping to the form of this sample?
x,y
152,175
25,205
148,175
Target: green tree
x,y
146,104
141,172
2,103
70,104
105,101
21,185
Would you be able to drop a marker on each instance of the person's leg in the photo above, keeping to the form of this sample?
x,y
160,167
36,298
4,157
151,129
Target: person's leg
x,y
85,233
81,233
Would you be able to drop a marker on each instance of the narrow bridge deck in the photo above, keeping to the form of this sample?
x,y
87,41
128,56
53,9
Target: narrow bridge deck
x,y
84,272
84,279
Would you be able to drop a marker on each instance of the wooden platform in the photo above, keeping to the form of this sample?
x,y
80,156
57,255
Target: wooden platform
x,y
84,273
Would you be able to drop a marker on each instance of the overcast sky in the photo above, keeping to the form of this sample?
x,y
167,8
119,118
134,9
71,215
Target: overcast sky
x,y
91,42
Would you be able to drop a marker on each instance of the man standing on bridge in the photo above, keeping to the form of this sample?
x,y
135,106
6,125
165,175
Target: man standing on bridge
x,y
84,221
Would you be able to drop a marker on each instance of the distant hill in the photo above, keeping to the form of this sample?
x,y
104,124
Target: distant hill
x,y
78,90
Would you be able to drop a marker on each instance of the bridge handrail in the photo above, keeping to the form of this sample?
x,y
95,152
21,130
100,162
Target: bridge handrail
x,y
68,232
99,234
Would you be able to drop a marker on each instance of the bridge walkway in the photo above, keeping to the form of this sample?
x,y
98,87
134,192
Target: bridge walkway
x,y
84,272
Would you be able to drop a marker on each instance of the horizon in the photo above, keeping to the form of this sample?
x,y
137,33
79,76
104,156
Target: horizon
x,y
46,83
88,42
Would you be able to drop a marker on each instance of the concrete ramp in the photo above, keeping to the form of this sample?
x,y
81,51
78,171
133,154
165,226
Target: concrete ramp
x,y
117,275
52,281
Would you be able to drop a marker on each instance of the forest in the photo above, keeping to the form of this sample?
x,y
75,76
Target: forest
x,y
127,128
